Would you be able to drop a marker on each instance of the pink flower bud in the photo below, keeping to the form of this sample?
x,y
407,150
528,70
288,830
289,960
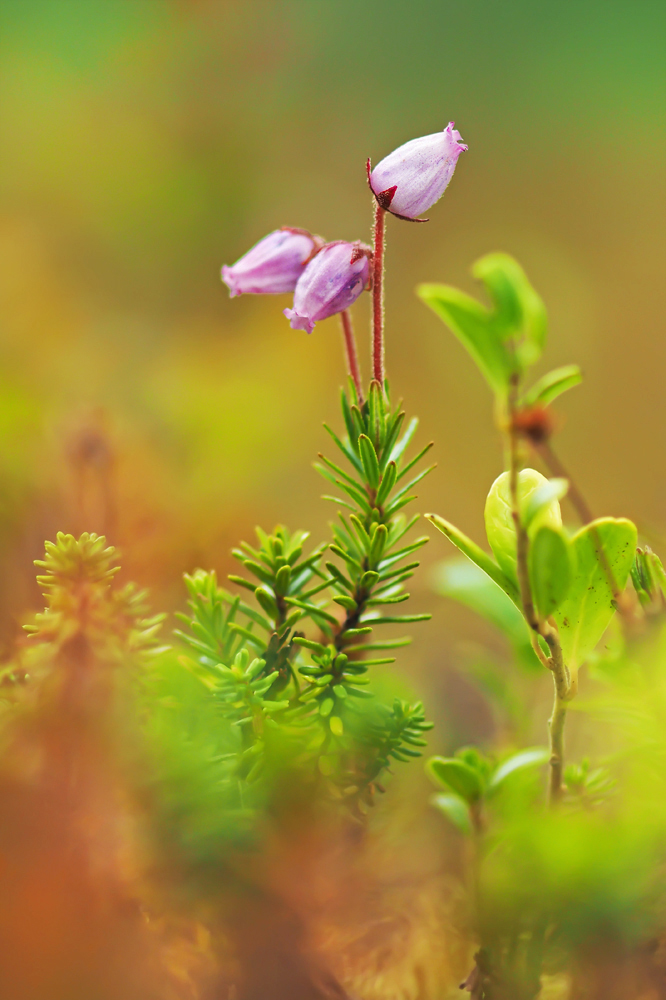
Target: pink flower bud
x,y
413,177
274,264
331,282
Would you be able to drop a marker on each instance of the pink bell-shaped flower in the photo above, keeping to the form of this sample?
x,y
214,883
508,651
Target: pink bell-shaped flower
x,y
413,177
274,264
331,282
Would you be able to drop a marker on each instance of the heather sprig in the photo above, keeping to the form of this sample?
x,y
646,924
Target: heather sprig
x,y
77,581
298,659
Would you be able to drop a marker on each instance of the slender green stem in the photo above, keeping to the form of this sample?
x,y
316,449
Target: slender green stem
x,y
565,687
556,734
522,540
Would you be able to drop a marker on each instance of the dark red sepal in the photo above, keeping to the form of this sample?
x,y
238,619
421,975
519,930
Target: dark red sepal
x,y
406,218
384,198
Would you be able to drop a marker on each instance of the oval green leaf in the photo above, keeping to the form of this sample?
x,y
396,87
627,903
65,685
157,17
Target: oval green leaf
x,y
585,613
455,810
456,775
543,496
534,757
552,385
551,569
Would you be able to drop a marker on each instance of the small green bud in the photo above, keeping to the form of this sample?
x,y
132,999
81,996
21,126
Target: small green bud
x,y
500,526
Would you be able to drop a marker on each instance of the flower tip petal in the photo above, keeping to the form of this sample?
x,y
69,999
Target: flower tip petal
x,y
230,281
453,132
298,322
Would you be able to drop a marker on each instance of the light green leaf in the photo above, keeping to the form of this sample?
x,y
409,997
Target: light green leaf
x,y
584,615
519,314
498,515
534,757
476,554
456,775
471,323
552,385
204,674
335,723
553,489
649,578
455,810
369,459
550,567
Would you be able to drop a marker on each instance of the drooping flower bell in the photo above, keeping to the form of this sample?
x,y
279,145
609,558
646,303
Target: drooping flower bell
x,y
413,177
331,282
274,264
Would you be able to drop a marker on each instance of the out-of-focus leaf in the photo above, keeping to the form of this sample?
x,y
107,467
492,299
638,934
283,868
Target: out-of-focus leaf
x,y
455,810
466,582
543,496
585,613
552,385
456,775
550,568
501,340
207,675
519,315
471,323
534,757
590,786
649,579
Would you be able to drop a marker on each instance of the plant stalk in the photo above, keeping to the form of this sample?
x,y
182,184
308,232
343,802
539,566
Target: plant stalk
x,y
555,466
378,244
522,541
556,734
351,353
565,686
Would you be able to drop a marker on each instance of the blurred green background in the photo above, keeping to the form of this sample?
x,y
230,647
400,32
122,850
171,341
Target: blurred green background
x,y
147,142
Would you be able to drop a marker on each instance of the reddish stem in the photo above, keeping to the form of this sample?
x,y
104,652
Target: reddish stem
x,y
351,353
556,467
378,296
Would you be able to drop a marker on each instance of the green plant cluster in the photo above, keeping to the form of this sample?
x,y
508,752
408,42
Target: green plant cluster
x,y
292,668
556,890
574,577
77,576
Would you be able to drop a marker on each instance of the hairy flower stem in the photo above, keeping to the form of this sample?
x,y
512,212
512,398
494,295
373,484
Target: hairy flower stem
x,y
565,687
378,244
351,353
